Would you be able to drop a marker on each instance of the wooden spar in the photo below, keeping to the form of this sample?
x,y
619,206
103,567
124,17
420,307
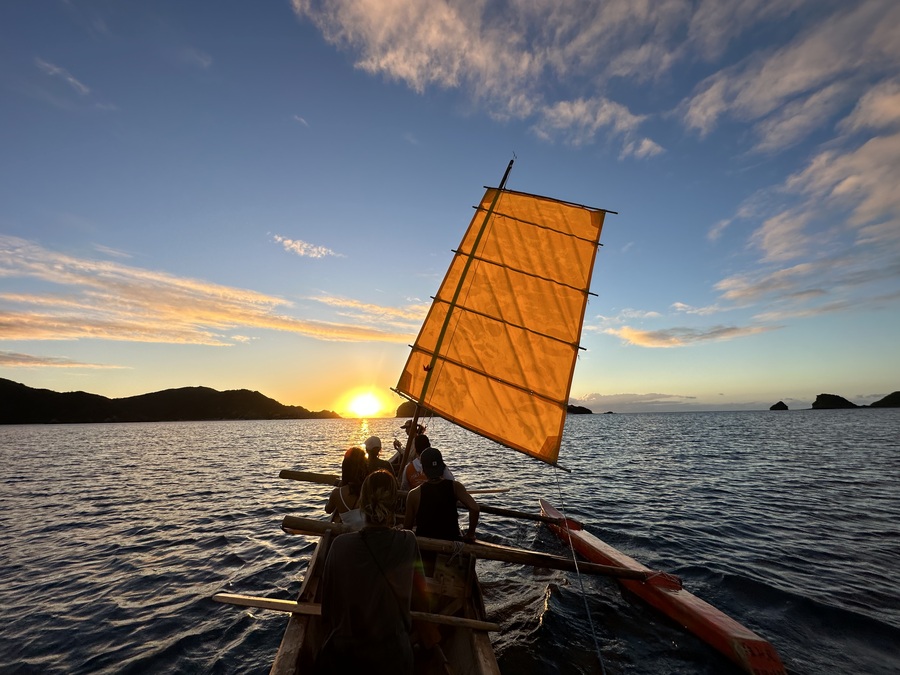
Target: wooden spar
x,y
486,551
421,399
511,513
315,609
328,479
310,477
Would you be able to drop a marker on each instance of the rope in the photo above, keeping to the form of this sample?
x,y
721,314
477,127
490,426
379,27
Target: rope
x,y
587,611
457,550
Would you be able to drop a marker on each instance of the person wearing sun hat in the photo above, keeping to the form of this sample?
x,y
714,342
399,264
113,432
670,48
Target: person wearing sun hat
x,y
431,507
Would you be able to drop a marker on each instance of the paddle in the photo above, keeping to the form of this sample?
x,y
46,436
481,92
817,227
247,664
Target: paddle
x,y
314,609
486,551
328,479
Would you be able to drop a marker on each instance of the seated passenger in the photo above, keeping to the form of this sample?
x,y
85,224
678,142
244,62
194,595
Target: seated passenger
x,y
413,475
431,507
368,584
373,449
344,498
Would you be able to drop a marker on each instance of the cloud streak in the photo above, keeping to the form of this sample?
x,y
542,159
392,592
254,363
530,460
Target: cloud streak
x,y
304,249
63,74
111,301
683,337
15,360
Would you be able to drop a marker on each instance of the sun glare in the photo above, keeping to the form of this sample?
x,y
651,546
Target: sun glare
x,y
365,405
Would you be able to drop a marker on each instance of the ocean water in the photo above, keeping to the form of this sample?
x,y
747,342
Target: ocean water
x,y
114,537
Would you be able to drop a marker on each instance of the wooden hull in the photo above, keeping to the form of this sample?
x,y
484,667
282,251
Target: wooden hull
x,y
467,651
747,649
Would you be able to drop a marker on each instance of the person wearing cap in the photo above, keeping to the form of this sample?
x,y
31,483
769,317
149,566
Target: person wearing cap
x,y
414,475
373,448
431,507
410,430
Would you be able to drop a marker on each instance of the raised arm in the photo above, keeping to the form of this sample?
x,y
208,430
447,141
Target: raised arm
x,y
412,508
463,496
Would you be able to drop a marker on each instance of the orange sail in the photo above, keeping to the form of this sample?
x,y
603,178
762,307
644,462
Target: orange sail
x,y
497,350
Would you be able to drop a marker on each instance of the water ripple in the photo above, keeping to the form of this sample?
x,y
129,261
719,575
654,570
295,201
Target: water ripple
x,y
114,537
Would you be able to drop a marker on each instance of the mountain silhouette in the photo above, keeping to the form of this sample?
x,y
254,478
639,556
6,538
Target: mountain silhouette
x,y
20,404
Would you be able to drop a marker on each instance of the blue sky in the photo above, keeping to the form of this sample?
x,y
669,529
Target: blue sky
x,y
265,195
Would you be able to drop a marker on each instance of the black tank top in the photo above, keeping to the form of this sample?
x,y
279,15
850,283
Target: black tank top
x,y
437,516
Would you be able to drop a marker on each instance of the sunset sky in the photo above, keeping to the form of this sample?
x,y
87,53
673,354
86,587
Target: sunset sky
x,y
264,195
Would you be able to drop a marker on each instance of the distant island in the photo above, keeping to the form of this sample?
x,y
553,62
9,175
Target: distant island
x,y
835,402
20,404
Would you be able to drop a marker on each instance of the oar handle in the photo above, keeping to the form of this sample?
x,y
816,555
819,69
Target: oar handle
x,y
329,479
310,477
512,513
315,609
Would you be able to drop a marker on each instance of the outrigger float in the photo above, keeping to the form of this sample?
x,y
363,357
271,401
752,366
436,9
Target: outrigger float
x,y
503,335
740,644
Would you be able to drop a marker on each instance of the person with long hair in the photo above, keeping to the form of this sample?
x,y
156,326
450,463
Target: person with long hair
x,y
343,502
367,589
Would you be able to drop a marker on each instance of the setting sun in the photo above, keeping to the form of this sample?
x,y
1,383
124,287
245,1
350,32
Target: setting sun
x,y
363,402
365,405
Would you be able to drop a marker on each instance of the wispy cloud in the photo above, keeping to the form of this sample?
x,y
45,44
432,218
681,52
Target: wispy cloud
x,y
683,337
14,360
404,319
509,62
196,58
554,63
798,87
63,74
304,249
300,120
111,301
700,311
115,253
878,109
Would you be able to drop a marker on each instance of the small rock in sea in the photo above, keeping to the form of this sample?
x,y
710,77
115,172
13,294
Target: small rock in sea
x,y
779,406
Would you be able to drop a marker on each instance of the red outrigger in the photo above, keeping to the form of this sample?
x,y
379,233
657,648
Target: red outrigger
x,y
740,644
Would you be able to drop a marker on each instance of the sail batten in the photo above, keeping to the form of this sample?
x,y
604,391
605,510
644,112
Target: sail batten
x,y
513,269
463,308
497,351
477,371
525,222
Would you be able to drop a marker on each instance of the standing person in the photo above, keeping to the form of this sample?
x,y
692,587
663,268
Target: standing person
x,y
414,475
373,449
343,502
367,589
431,507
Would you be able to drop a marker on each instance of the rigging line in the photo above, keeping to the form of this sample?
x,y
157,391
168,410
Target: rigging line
x,y
587,610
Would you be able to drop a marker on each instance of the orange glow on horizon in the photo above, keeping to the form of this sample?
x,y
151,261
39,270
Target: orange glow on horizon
x,y
363,403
